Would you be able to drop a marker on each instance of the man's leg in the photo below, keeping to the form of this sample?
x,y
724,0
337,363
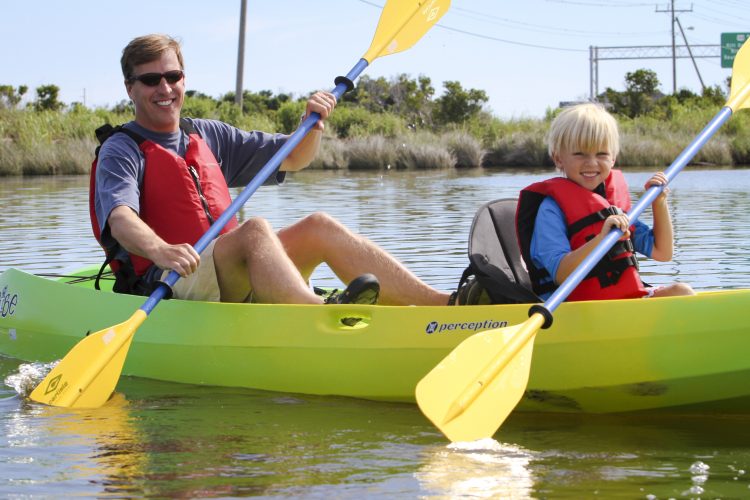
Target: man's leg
x,y
320,238
251,257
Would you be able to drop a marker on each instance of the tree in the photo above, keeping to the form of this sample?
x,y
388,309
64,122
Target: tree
x,y
10,97
641,90
47,98
641,81
401,95
457,105
640,95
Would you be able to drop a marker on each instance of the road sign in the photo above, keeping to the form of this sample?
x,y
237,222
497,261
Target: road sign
x,y
730,44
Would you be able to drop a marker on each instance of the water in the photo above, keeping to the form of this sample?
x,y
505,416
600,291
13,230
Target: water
x,y
167,440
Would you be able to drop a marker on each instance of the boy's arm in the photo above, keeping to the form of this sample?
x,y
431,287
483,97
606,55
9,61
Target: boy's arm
x,y
570,262
663,232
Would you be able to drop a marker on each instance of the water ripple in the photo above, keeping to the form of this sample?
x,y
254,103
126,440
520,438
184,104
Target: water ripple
x,y
423,218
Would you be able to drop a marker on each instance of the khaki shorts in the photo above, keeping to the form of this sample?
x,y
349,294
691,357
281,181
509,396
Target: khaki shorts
x,y
202,284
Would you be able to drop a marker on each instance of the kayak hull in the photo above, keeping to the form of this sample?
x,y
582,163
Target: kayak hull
x,y
598,357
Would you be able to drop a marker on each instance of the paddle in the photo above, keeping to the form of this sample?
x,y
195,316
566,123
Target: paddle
x,y
87,375
471,392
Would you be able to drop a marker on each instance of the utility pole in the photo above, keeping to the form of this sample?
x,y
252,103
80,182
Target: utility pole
x,y
695,65
674,45
240,56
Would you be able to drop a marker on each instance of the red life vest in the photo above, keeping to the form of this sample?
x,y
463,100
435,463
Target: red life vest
x,y
616,275
179,197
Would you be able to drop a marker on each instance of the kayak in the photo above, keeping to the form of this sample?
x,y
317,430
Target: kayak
x,y
672,353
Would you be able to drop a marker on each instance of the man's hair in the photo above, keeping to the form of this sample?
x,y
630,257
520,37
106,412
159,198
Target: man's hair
x,y
584,127
146,49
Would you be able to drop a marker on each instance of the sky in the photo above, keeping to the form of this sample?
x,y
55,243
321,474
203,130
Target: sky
x,y
527,55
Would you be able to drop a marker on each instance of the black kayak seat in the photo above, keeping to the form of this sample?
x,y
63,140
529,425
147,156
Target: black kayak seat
x,y
495,255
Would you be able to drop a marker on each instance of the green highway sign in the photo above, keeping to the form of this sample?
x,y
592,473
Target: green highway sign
x,y
730,44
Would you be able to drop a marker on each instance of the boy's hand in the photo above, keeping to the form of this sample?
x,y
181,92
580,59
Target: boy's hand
x,y
658,179
619,221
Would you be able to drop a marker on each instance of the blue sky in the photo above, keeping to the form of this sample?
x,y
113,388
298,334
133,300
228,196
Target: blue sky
x,y
527,55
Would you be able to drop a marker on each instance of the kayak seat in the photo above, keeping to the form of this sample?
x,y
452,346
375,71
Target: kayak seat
x,y
495,260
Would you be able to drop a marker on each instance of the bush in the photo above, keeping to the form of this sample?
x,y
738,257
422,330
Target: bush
x,y
423,156
333,154
740,147
519,149
374,152
466,149
288,116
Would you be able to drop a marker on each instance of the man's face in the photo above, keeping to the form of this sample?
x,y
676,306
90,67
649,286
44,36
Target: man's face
x,y
158,108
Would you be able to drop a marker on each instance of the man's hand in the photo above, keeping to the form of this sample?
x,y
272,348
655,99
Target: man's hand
x,y
322,103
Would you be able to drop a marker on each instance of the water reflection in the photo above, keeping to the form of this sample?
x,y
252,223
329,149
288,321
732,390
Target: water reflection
x,y
421,217
55,450
480,469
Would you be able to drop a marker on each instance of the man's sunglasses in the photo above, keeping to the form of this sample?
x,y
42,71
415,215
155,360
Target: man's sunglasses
x,y
154,79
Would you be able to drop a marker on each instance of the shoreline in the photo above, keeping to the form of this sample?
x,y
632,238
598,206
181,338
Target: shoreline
x,y
36,143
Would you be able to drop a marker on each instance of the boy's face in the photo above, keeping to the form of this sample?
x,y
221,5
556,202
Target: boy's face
x,y
586,168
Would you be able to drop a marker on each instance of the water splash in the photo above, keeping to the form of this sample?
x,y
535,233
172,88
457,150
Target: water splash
x,y
486,444
28,376
478,469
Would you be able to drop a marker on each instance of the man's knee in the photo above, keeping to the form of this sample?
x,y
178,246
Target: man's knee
x,y
256,227
319,220
317,224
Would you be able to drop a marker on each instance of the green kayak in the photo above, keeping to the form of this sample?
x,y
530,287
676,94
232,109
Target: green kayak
x,y
599,356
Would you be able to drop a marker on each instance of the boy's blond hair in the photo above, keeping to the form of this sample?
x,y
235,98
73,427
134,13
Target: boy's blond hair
x,y
146,49
584,127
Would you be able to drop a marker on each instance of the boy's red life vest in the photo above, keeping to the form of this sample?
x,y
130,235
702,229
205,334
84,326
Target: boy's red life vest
x,y
179,198
616,275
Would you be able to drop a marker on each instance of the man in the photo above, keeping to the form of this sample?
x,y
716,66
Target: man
x,y
160,183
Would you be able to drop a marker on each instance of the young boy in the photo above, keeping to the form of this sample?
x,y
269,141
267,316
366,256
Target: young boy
x,y
561,220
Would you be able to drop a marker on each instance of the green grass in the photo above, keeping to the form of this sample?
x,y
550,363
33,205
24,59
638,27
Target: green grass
x,y
62,142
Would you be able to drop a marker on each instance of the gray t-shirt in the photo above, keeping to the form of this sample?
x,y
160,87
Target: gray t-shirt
x,y
120,167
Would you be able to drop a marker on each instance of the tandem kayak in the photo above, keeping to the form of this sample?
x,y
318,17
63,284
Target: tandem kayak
x,y
598,356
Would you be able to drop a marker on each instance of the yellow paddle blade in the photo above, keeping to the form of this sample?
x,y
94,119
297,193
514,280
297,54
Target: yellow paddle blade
x,y
402,23
473,390
88,374
740,91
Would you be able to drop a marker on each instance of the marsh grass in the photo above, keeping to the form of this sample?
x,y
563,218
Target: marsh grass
x,y
376,152
62,142
465,148
333,155
518,149
370,153
424,152
47,143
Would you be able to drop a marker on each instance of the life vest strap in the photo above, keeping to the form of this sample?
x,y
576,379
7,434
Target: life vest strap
x,y
590,219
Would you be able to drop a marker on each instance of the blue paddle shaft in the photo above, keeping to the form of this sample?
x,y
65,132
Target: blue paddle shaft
x,y
269,168
572,281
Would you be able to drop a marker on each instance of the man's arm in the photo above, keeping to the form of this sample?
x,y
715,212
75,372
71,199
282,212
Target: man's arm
x,y
301,156
136,237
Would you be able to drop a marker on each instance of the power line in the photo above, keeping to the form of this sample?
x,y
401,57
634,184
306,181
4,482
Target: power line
x,y
487,37
490,18
603,4
503,40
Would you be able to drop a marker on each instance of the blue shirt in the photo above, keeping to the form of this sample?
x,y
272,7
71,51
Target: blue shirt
x,y
550,243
